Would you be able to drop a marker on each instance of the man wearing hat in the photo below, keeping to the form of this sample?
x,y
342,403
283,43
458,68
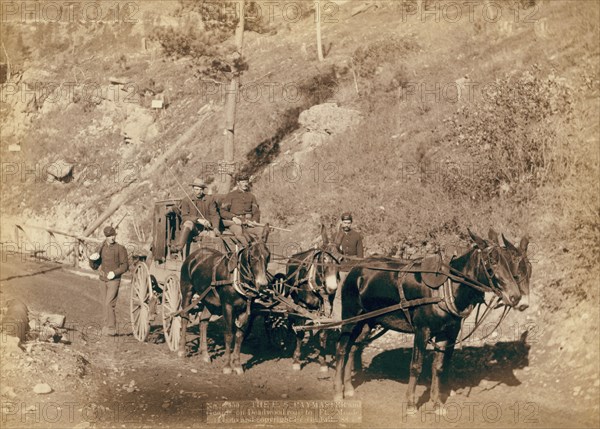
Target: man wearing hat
x,y
240,209
347,240
349,243
112,260
199,215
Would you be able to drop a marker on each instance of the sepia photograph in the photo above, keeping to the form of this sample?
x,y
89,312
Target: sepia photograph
x,y
325,214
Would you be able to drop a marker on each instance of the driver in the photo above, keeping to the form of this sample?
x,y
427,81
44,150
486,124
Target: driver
x,y
199,215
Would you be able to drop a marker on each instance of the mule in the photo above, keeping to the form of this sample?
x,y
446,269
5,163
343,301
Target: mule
x,y
312,278
520,265
208,268
378,282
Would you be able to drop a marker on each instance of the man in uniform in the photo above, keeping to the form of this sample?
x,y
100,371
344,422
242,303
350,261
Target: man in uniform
x,y
199,215
240,210
349,243
112,260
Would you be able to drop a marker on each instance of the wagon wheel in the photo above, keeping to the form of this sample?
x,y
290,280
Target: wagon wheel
x,y
280,332
171,303
278,285
141,294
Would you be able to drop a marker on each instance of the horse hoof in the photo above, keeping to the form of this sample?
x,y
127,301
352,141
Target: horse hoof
x,y
338,397
206,358
180,354
226,370
348,393
323,368
296,367
239,370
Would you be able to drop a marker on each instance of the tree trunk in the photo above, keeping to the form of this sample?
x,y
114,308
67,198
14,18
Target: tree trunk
x,y
226,170
318,22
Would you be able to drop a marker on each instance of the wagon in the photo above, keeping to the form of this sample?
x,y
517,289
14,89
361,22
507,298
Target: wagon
x,y
156,282
156,275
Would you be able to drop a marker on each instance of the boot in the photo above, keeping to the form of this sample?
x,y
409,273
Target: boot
x,y
183,238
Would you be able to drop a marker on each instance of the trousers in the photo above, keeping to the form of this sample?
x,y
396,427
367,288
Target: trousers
x,y
109,291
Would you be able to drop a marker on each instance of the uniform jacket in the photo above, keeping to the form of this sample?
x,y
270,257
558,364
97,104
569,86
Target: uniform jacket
x,y
113,258
349,243
206,205
240,203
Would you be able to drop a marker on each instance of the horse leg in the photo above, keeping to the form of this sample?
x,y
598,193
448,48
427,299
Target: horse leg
x,y
416,363
345,343
323,351
228,335
204,319
364,332
298,351
187,299
340,365
240,334
440,363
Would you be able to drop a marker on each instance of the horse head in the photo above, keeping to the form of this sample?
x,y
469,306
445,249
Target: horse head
x,y
327,263
497,264
256,258
520,265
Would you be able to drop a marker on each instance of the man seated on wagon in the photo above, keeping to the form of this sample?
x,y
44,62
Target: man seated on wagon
x,y
199,215
240,210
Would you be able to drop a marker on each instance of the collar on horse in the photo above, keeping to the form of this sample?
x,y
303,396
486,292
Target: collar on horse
x,y
240,274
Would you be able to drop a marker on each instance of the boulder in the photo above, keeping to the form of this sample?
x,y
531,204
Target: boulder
x,y
16,319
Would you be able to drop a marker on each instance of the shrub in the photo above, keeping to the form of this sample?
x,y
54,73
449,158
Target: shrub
x,y
511,137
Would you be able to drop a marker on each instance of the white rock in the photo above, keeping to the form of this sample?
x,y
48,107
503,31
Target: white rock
x,y
195,371
42,388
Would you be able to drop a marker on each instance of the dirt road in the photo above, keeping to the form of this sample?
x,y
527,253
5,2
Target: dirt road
x,y
119,382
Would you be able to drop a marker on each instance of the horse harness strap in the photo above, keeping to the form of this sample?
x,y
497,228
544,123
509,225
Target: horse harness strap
x,y
399,285
450,304
370,314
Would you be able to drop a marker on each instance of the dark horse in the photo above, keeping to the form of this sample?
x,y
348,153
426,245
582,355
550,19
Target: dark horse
x,y
312,278
210,269
487,267
520,265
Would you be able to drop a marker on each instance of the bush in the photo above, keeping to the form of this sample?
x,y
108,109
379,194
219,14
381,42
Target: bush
x,y
511,137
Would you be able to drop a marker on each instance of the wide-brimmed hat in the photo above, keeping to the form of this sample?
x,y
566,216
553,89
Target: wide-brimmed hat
x,y
199,183
109,231
347,216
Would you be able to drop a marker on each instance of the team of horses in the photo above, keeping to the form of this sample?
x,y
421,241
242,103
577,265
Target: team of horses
x,y
377,291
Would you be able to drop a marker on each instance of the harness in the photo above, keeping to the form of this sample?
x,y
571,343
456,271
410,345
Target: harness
x,y
445,298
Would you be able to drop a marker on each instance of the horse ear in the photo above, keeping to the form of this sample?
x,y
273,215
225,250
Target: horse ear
x,y
493,236
324,235
480,242
508,244
523,245
265,233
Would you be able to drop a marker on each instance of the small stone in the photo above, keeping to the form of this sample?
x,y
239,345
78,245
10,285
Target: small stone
x,y
54,367
165,405
284,395
178,374
194,371
42,388
8,391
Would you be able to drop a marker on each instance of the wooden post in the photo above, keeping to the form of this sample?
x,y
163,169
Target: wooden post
x,y
318,22
225,179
